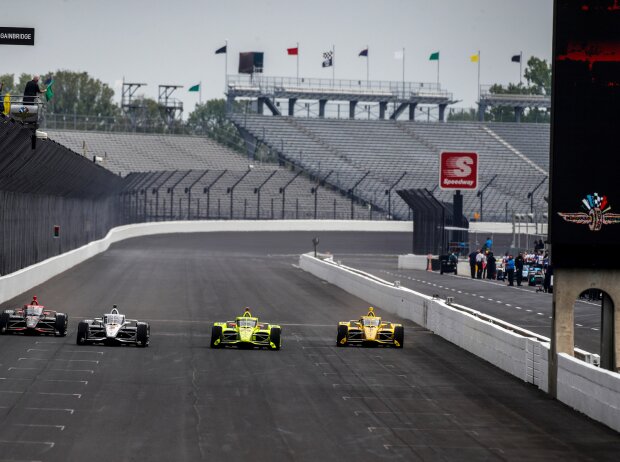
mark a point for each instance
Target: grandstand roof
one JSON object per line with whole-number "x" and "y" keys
{"x": 336, "y": 89}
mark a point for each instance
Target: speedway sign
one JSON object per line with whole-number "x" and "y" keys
{"x": 16, "y": 36}
{"x": 458, "y": 170}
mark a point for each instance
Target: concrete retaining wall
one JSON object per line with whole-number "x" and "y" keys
{"x": 20, "y": 281}
{"x": 582, "y": 386}
{"x": 589, "y": 389}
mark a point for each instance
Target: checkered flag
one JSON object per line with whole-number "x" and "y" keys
{"x": 328, "y": 57}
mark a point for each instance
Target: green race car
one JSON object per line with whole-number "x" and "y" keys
{"x": 246, "y": 331}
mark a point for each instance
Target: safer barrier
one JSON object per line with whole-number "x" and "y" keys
{"x": 587, "y": 388}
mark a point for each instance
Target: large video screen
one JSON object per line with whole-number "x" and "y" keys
{"x": 585, "y": 136}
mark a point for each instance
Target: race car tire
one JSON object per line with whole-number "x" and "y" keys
{"x": 82, "y": 333}
{"x": 216, "y": 333}
{"x": 60, "y": 326}
{"x": 275, "y": 337}
{"x": 142, "y": 334}
{"x": 399, "y": 336}
{"x": 342, "y": 335}
{"x": 4, "y": 322}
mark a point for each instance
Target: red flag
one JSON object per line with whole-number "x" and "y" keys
{"x": 293, "y": 51}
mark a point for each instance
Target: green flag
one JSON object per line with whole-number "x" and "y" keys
{"x": 195, "y": 88}
{"x": 434, "y": 56}
{"x": 49, "y": 93}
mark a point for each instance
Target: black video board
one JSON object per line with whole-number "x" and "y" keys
{"x": 585, "y": 135}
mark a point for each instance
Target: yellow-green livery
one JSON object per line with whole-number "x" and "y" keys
{"x": 246, "y": 331}
{"x": 370, "y": 330}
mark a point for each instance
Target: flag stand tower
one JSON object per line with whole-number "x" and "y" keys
{"x": 171, "y": 108}
{"x": 132, "y": 109}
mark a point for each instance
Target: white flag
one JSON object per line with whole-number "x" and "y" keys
{"x": 399, "y": 54}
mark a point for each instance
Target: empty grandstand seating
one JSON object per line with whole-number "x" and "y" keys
{"x": 175, "y": 163}
{"x": 385, "y": 148}
{"x": 530, "y": 139}
{"x": 363, "y": 157}
{"x": 130, "y": 152}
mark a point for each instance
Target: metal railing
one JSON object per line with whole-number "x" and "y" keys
{"x": 269, "y": 85}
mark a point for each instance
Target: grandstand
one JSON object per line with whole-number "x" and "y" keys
{"x": 124, "y": 153}
{"x": 161, "y": 169}
{"x": 530, "y": 139}
{"x": 512, "y": 157}
{"x": 362, "y": 162}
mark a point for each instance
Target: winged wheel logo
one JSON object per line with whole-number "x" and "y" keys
{"x": 596, "y": 213}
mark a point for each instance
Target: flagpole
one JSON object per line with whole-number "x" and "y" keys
{"x": 438, "y": 57}
{"x": 200, "y": 92}
{"x": 367, "y": 66}
{"x": 226, "y": 65}
{"x": 403, "y": 72}
{"x": 478, "y": 75}
{"x": 333, "y": 64}
{"x": 520, "y": 68}
{"x": 297, "y": 63}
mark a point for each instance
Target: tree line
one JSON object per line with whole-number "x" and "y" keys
{"x": 537, "y": 82}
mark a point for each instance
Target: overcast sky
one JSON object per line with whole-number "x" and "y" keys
{"x": 173, "y": 41}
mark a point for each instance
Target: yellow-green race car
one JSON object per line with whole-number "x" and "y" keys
{"x": 246, "y": 331}
{"x": 370, "y": 330}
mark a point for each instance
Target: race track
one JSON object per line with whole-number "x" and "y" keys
{"x": 179, "y": 400}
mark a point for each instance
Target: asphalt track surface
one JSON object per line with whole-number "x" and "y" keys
{"x": 179, "y": 400}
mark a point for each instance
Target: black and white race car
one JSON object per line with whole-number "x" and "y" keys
{"x": 113, "y": 329}
{"x": 34, "y": 319}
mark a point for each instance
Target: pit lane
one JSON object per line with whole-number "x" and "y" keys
{"x": 180, "y": 400}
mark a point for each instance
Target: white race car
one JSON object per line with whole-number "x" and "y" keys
{"x": 113, "y": 329}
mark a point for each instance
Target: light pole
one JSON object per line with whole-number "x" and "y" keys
{"x": 188, "y": 191}
{"x": 207, "y": 190}
{"x": 352, "y": 192}
{"x": 481, "y": 194}
{"x": 138, "y": 188}
{"x": 315, "y": 191}
{"x": 231, "y": 190}
{"x": 257, "y": 191}
{"x": 156, "y": 192}
{"x": 147, "y": 187}
{"x": 283, "y": 191}
{"x": 389, "y": 194}
{"x": 530, "y": 195}
{"x": 171, "y": 191}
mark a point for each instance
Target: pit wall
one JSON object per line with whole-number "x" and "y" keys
{"x": 25, "y": 279}
{"x": 586, "y": 388}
